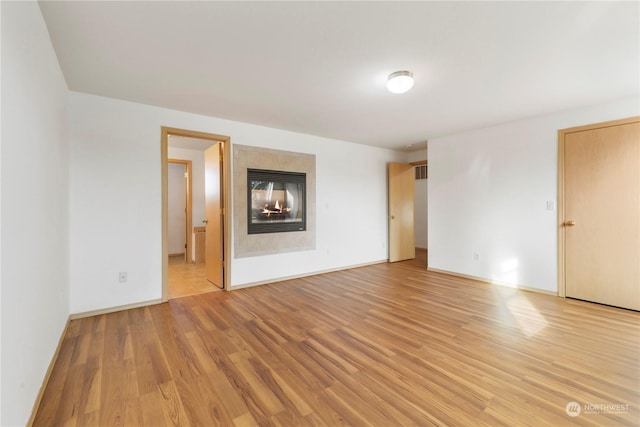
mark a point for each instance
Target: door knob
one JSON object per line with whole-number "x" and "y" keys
{"x": 569, "y": 223}
{"x": 205, "y": 221}
{"x": 392, "y": 217}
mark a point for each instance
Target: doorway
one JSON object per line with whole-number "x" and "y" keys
{"x": 401, "y": 193}
{"x": 420, "y": 213}
{"x": 189, "y": 274}
{"x": 179, "y": 209}
{"x": 599, "y": 213}
{"x": 418, "y": 185}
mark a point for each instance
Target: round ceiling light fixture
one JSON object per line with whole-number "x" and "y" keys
{"x": 400, "y": 81}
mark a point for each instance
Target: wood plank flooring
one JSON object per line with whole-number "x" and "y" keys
{"x": 384, "y": 345}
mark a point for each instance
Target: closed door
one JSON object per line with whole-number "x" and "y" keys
{"x": 213, "y": 211}
{"x": 401, "y": 221}
{"x": 601, "y": 224}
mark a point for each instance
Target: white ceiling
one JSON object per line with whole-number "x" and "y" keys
{"x": 177, "y": 141}
{"x": 321, "y": 67}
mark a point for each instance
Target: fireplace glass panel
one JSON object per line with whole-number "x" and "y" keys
{"x": 276, "y": 201}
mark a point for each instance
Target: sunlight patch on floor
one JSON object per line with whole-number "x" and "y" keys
{"x": 529, "y": 319}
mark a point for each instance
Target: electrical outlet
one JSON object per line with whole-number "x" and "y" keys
{"x": 476, "y": 256}
{"x": 122, "y": 277}
{"x": 549, "y": 206}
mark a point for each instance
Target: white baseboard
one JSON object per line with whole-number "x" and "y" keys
{"x": 493, "y": 282}
{"x": 299, "y": 276}
{"x": 47, "y": 375}
{"x": 114, "y": 309}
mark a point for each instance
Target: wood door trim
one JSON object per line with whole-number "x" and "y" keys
{"x": 562, "y": 289}
{"x": 164, "y": 149}
{"x": 401, "y": 244}
{"x": 189, "y": 248}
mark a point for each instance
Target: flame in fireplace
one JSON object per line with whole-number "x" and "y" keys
{"x": 277, "y": 209}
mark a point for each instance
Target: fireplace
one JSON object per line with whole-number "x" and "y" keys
{"x": 276, "y": 201}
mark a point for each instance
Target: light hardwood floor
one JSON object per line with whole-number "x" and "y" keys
{"x": 187, "y": 279}
{"x": 384, "y": 345}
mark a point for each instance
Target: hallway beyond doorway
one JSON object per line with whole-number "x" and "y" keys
{"x": 187, "y": 279}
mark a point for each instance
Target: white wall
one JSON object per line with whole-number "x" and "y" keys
{"x": 488, "y": 194}
{"x": 35, "y": 207}
{"x": 115, "y": 212}
{"x": 175, "y": 208}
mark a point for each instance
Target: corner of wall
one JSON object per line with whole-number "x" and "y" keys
{"x": 34, "y": 177}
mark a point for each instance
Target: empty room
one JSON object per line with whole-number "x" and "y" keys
{"x": 319, "y": 213}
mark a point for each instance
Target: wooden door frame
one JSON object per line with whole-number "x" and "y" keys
{"x": 226, "y": 176}
{"x": 392, "y": 209}
{"x": 562, "y": 285}
{"x": 189, "y": 208}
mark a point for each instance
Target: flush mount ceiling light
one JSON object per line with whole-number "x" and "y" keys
{"x": 400, "y": 81}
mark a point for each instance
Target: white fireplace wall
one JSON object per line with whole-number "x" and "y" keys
{"x": 351, "y": 210}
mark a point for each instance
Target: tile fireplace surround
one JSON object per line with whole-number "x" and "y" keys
{"x": 247, "y": 245}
